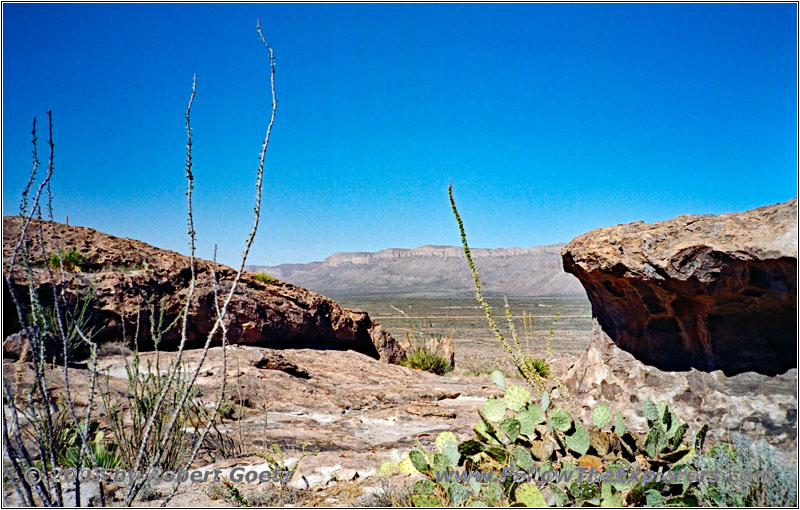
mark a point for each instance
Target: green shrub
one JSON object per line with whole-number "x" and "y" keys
{"x": 263, "y": 277}
{"x": 71, "y": 258}
{"x": 421, "y": 358}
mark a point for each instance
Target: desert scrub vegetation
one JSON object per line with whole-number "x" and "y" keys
{"x": 526, "y": 436}
{"x": 425, "y": 348}
{"x": 263, "y": 277}
{"x": 421, "y": 358}
{"x": 71, "y": 259}
{"x": 43, "y": 426}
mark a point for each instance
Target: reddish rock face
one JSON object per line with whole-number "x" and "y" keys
{"x": 698, "y": 291}
{"x": 124, "y": 271}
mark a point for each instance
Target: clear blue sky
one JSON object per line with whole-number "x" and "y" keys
{"x": 551, "y": 120}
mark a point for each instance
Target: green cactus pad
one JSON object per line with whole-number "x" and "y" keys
{"x": 619, "y": 425}
{"x": 662, "y": 410}
{"x": 510, "y": 428}
{"x": 443, "y": 438}
{"x": 499, "y": 379}
{"x": 477, "y": 504}
{"x": 419, "y": 500}
{"x": 579, "y": 441}
{"x": 418, "y": 460}
{"x": 601, "y": 416}
{"x": 528, "y": 494}
{"x": 475, "y": 486}
{"x": 700, "y": 438}
{"x": 494, "y": 409}
{"x": 655, "y": 441}
{"x": 441, "y": 460}
{"x": 650, "y": 410}
{"x": 388, "y": 468}
{"x": 424, "y": 487}
{"x": 523, "y": 458}
{"x": 529, "y": 417}
{"x": 407, "y": 467}
{"x": 517, "y": 397}
{"x": 560, "y": 419}
{"x": 458, "y": 494}
{"x": 470, "y": 447}
{"x": 559, "y": 495}
{"x": 545, "y": 400}
{"x": 492, "y": 492}
{"x": 451, "y": 452}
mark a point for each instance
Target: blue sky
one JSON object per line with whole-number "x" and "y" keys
{"x": 551, "y": 120}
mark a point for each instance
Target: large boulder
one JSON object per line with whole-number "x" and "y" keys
{"x": 761, "y": 406}
{"x": 128, "y": 274}
{"x": 698, "y": 291}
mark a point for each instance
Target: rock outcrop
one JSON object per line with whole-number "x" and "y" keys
{"x": 698, "y": 291}
{"x": 764, "y": 407}
{"x": 127, "y": 274}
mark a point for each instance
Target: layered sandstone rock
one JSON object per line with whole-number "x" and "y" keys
{"x": 764, "y": 407}
{"x": 698, "y": 291}
{"x": 127, "y": 274}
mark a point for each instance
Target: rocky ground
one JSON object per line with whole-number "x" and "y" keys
{"x": 351, "y": 409}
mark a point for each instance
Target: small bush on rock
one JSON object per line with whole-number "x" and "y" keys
{"x": 71, "y": 258}
{"x": 263, "y": 277}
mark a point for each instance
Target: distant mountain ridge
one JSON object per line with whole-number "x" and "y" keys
{"x": 430, "y": 269}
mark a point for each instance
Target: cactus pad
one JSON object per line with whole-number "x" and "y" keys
{"x": 458, "y": 494}
{"x": 406, "y": 466}
{"x": 424, "y": 487}
{"x": 418, "y": 460}
{"x": 530, "y": 417}
{"x": 528, "y": 494}
{"x": 517, "y": 397}
{"x": 443, "y": 438}
{"x": 619, "y": 425}
{"x": 560, "y": 419}
{"x": 494, "y": 409}
{"x": 579, "y": 441}
{"x": 650, "y": 410}
{"x": 601, "y": 416}
{"x": 499, "y": 379}
{"x": 388, "y": 468}
{"x": 420, "y": 500}
{"x": 510, "y": 428}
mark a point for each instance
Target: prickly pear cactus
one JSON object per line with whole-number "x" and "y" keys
{"x": 458, "y": 494}
{"x": 443, "y": 438}
{"x": 418, "y": 460}
{"x": 650, "y": 410}
{"x": 499, "y": 379}
{"x": 407, "y": 467}
{"x": 517, "y": 397}
{"x": 601, "y": 416}
{"x": 424, "y": 487}
{"x": 388, "y": 468}
{"x": 619, "y": 425}
{"x": 579, "y": 441}
{"x": 530, "y": 417}
{"x": 511, "y": 428}
{"x": 560, "y": 419}
{"x": 494, "y": 409}
{"x": 420, "y": 500}
{"x": 528, "y": 494}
